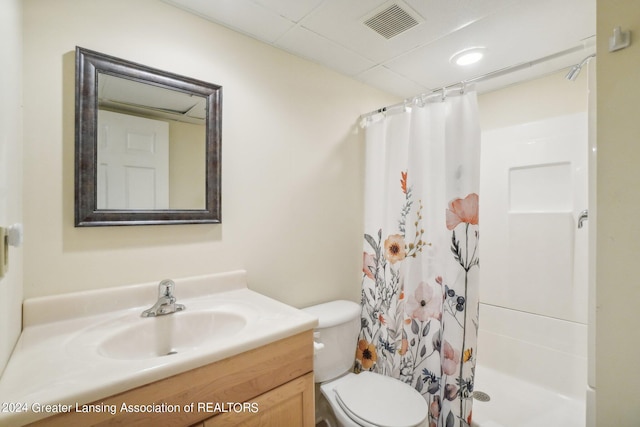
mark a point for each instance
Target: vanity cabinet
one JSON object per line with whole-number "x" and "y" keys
{"x": 269, "y": 386}
{"x": 283, "y": 406}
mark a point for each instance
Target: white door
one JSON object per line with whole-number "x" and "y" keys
{"x": 133, "y": 162}
{"x": 534, "y": 184}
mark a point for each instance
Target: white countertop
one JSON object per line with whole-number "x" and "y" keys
{"x": 56, "y": 361}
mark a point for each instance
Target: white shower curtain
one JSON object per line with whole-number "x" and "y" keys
{"x": 420, "y": 261}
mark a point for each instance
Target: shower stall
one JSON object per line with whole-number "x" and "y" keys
{"x": 532, "y": 344}
{"x": 535, "y": 348}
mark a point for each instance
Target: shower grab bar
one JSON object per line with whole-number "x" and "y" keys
{"x": 584, "y": 215}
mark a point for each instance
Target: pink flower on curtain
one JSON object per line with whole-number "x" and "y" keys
{"x": 381, "y": 319}
{"x": 451, "y": 359}
{"x": 424, "y": 304}
{"x": 463, "y": 210}
{"x": 368, "y": 265}
{"x": 394, "y": 248}
{"x": 450, "y": 392}
{"x": 435, "y": 407}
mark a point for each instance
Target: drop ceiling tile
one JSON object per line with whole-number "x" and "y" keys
{"x": 457, "y": 14}
{"x": 241, "y": 15}
{"x": 507, "y": 44}
{"x": 332, "y": 32}
{"x": 293, "y": 10}
{"x": 385, "y": 79}
{"x": 309, "y": 45}
{"x": 342, "y": 22}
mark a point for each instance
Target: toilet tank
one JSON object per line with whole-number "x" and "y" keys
{"x": 337, "y": 332}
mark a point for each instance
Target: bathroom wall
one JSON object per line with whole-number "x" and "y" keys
{"x": 534, "y": 331}
{"x": 10, "y": 169}
{"x": 546, "y": 97}
{"x": 618, "y": 208}
{"x": 291, "y": 170}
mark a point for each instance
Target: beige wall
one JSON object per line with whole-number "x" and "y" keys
{"x": 187, "y": 166}
{"x": 549, "y": 96}
{"x": 618, "y": 184}
{"x": 10, "y": 169}
{"x": 291, "y": 170}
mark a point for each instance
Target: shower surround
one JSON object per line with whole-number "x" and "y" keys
{"x": 534, "y": 286}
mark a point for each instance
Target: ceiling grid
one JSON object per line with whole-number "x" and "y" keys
{"x": 411, "y": 58}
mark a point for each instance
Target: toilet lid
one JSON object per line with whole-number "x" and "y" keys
{"x": 381, "y": 401}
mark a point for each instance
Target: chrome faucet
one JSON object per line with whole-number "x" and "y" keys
{"x": 584, "y": 215}
{"x": 166, "y": 303}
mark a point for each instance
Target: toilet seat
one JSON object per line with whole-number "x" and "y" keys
{"x": 374, "y": 400}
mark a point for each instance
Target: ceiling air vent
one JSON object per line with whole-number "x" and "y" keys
{"x": 392, "y": 20}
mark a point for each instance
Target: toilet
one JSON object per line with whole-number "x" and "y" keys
{"x": 356, "y": 400}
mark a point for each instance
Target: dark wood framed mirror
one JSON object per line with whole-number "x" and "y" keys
{"x": 148, "y": 145}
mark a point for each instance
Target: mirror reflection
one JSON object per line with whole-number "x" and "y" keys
{"x": 147, "y": 145}
{"x": 151, "y": 146}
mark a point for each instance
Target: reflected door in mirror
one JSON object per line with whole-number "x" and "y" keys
{"x": 133, "y": 162}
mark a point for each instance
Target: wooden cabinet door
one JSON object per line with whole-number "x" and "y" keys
{"x": 290, "y": 405}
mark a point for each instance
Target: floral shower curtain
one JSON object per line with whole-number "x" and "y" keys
{"x": 421, "y": 260}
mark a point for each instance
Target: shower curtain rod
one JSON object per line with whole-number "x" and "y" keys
{"x": 462, "y": 84}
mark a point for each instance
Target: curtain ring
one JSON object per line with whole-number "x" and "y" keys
{"x": 444, "y": 94}
{"x": 463, "y": 87}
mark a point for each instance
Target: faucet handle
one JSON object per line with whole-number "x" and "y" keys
{"x": 165, "y": 288}
{"x": 584, "y": 215}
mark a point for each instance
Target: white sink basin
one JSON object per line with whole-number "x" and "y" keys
{"x": 171, "y": 334}
{"x": 205, "y": 324}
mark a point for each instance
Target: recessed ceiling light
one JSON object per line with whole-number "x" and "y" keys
{"x": 468, "y": 56}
